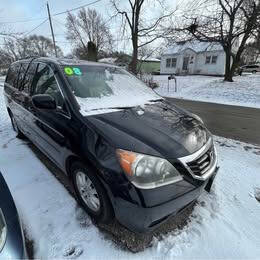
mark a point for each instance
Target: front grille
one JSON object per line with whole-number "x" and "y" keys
{"x": 202, "y": 164}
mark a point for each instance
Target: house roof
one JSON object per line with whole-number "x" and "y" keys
{"x": 196, "y": 46}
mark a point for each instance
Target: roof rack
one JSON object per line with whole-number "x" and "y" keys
{"x": 29, "y": 57}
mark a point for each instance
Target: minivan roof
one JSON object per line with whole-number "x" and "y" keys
{"x": 63, "y": 61}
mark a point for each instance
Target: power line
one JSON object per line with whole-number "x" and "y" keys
{"x": 24, "y": 21}
{"x": 35, "y": 27}
{"x": 59, "y": 22}
{"x": 76, "y": 8}
{"x": 55, "y": 14}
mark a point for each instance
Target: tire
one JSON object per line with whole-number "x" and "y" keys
{"x": 254, "y": 71}
{"x": 19, "y": 134}
{"x": 92, "y": 192}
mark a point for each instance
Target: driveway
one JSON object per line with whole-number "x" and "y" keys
{"x": 240, "y": 123}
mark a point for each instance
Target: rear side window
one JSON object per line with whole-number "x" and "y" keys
{"x": 28, "y": 78}
{"x": 22, "y": 72}
{"x": 12, "y": 75}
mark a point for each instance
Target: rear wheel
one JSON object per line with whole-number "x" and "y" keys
{"x": 91, "y": 193}
{"x": 19, "y": 134}
{"x": 254, "y": 71}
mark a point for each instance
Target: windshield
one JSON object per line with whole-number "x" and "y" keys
{"x": 99, "y": 87}
{"x": 3, "y": 230}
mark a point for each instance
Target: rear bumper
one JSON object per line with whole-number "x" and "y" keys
{"x": 145, "y": 219}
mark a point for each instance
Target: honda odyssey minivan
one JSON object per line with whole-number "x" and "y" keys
{"x": 129, "y": 153}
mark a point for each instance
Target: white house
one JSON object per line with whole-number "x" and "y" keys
{"x": 193, "y": 57}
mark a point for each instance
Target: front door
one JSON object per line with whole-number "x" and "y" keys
{"x": 50, "y": 125}
{"x": 185, "y": 64}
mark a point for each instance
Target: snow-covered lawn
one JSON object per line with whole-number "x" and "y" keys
{"x": 244, "y": 91}
{"x": 225, "y": 224}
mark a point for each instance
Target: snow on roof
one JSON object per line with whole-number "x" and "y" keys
{"x": 195, "y": 46}
{"x": 110, "y": 60}
{"x": 149, "y": 59}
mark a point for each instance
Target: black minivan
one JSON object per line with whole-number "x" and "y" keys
{"x": 128, "y": 152}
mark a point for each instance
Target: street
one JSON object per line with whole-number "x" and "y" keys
{"x": 240, "y": 123}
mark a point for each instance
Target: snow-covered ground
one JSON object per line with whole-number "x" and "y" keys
{"x": 244, "y": 91}
{"x": 225, "y": 224}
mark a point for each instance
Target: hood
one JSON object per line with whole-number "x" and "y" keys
{"x": 158, "y": 129}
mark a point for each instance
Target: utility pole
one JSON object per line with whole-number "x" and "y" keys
{"x": 53, "y": 39}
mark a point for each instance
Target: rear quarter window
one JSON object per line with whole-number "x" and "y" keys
{"x": 12, "y": 75}
{"x": 22, "y": 72}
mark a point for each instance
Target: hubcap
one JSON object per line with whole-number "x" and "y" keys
{"x": 87, "y": 191}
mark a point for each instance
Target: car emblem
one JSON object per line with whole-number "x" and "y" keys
{"x": 211, "y": 154}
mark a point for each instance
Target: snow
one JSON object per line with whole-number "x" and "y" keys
{"x": 127, "y": 92}
{"x": 194, "y": 45}
{"x": 244, "y": 91}
{"x": 225, "y": 224}
{"x": 109, "y": 60}
{"x": 152, "y": 59}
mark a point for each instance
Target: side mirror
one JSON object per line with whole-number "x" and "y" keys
{"x": 44, "y": 101}
{"x": 153, "y": 85}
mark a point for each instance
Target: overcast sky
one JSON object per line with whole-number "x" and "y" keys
{"x": 24, "y": 15}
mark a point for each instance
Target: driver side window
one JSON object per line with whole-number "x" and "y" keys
{"x": 46, "y": 83}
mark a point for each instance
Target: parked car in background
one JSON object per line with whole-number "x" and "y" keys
{"x": 11, "y": 234}
{"x": 128, "y": 152}
{"x": 254, "y": 68}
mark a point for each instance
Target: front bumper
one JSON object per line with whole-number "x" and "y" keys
{"x": 142, "y": 210}
{"x": 145, "y": 219}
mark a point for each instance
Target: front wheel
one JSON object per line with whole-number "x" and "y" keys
{"x": 91, "y": 193}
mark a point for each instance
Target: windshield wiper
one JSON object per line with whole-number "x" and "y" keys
{"x": 119, "y": 108}
{"x": 156, "y": 100}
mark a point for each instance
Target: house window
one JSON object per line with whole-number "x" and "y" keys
{"x": 171, "y": 62}
{"x": 174, "y": 62}
{"x": 168, "y": 63}
{"x": 214, "y": 59}
{"x": 208, "y": 58}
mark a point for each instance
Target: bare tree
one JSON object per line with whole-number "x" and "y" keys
{"x": 88, "y": 26}
{"x": 143, "y": 31}
{"x": 251, "y": 53}
{"x": 230, "y": 23}
{"x": 18, "y": 48}
{"x": 145, "y": 53}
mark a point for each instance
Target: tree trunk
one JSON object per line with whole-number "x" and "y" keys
{"x": 92, "y": 51}
{"x": 228, "y": 70}
{"x": 133, "y": 63}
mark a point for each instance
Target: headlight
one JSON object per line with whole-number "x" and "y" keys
{"x": 3, "y": 230}
{"x": 147, "y": 172}
{"x": 197, "y": 117}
